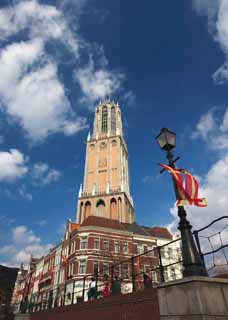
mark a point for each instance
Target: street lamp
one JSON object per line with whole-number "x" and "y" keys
{"x": 192, "y": 262}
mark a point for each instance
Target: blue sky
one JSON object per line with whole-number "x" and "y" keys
{"x": 165, "y": 63}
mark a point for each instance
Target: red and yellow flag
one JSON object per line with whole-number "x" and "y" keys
{"x": 187, "y": 194}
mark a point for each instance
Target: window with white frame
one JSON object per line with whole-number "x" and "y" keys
{"x": 95, "y": 267}
{"x": 96, "y": 244}
{"x": 84, "y": 243}
{"x": 72, "y": 249}
{"x": 140, "y": 248}
{"x": 106, "y": 245}
{"x": 125, "y": 270}
{"x": 70, "y": 269}
{"x": 117, "y": 270}
{"x": 154, "y": 276}
{"x": 117, "y": 246}
{"x": 106, "y": 268}
{"x": 173, "y": 274}
{"x": 151, "y": 251}
{"x": 166, "y": 275}
{"x": 125, "y": 247}
{"x": 82, "y": 266}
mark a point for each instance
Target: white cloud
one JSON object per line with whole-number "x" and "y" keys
{"x": 42, "y": 222}
{"x": 30, "y": 89}
{"x": 22, "y": 244}
{"x": 217, "y": 13}
{"x": 36, "y": 99}
{"x": 12, "y": 165}
{"x": 43, "y": 175}
{"x": 31, "y": 92}
{"x": 97, "y": 84}
{"x": 205, "y": 125}
{"x": 42, "y": 21}
{"x": 213, "y": 130}
{"x": 24, "y": 193}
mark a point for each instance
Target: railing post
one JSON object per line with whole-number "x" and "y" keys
{"x": 64, "y": 295}
{"x": 83, "y": 289}
{"x": 96, "y": 280}
{"x": 72, "y": 299}
{"x": 112, "y": 274}
{"x": 133, "y": 273}
{"x": 195, "y": 233}
{"x": 161, "y": 268}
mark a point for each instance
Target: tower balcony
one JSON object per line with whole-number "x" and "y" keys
{"x": 101, "y": 192}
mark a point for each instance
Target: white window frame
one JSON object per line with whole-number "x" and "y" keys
{"x": 125, "y": 245}
{"x": 107, "y": 242}
{"x": 80, "y": 265}
{"x": 96, "y": 240}
{"x": 84, "y": 241}
{"x": 106, "y": 268}
{"x": 117, "y": 243}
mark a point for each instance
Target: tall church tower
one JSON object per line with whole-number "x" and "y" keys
{"x": 105, "y": 191}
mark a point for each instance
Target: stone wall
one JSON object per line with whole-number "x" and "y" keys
{"x": 194, "y": 298}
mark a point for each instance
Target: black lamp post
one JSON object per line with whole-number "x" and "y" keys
{"x": 192, "y": 262}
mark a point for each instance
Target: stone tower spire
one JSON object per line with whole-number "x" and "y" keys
{"x": 105, "y": 191}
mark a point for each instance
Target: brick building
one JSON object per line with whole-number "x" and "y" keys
{"x": 104, "y": 232}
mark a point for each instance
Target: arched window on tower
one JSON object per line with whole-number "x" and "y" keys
{"x": 87, "y": 209}
{"x": 113, "y": 120}
{"x": 104, "y": 120}
{"x": 113, "y": 207}
{"x": 100, "y": 208}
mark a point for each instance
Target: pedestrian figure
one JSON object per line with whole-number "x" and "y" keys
{"x": 116, "y": 288}
{"x": 106, "y": 291}
{"x": 147, "y": 281}
{"x": 92, "y": 289}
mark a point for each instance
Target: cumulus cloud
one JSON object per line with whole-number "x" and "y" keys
{"x": 213, "y": 130}
{"x": 43, "y": 175}
{"x": 217, "y": 13}
{"x": 31, "y": 92}
{"x": 97, "y": 84}
{"x": 12, "y": 165}
{"x": 22, "y": 244}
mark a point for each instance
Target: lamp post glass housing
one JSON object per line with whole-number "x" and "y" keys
{"x": 166, "y": 139}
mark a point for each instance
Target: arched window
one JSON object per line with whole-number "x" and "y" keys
{"x": 87, "y": 209}
{"x": 113, "y": 207}
{"x": 114, "y": 143}
{"x": 100, "y": 208}
{"x": 113, "y": 120}
{"x": 102, "y": 145}
{"x": 92, "y": 147}
{"x": 104, "y": 120}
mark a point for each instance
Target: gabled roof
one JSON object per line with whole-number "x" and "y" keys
{"x": 103, "y": 222}
{"x": 160, "y": 232}
{"x": 137, "y": 229}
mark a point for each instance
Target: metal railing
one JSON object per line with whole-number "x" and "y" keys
{"x": 212, "y": 243}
